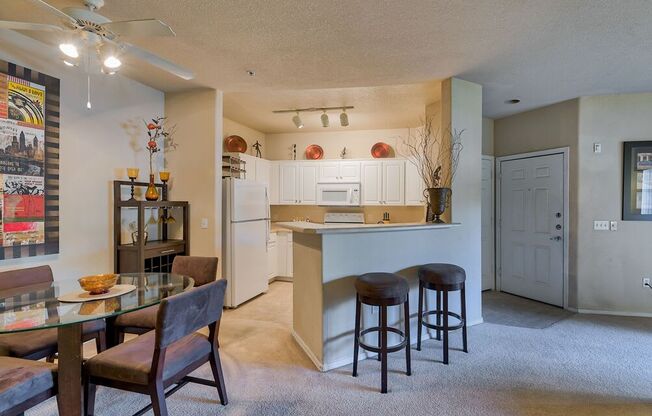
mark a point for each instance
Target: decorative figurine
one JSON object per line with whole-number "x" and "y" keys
{"x": 343, "y": 153}
{"x": 294, "y": 152}
{"x": 257, "y": 147}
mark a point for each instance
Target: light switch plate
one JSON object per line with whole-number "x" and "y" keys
{"x": 597, "y": 148}
{"x": 613, "y": 225}
{"x": 601, "y": 225}
{"x": 204, "y": 223}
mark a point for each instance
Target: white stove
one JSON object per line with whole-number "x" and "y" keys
{"x": 344, "y": 218}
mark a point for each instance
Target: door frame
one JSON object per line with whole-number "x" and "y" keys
{"x": 492, "y": 159}
{"x": 565, "y": 152}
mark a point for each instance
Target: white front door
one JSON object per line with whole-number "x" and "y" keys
{"x": 488, "y": 253}
{"x": 531, "y": 228}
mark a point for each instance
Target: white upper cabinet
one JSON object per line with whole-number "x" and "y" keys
{"x": 274, "y": 183}
{"x": 307, "y": 184}
{"x": 339, "y": 171}
{"x": 262, "y": 167}
{"x": 383, "y": 182}
{"x": 393, "y": 182}
{"x": 372, "y": 183}
{"x": 288, "y": 183}
{"x": 414, "y": 185}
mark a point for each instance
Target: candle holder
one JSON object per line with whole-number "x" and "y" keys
{"x": 164, "y": 176}
{"x": 132, "y": 173}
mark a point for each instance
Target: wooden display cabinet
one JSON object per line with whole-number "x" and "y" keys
{"x": 155, "y": 256}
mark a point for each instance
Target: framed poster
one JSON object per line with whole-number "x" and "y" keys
{"x": 637, "y": 181}
{"x": 29, "y": 162}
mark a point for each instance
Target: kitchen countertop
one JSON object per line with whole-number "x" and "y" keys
{"x": 316, "y": 228}
{"x": 276, "y": 228}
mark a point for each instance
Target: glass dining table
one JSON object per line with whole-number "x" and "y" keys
{"x": 37, "y": 307}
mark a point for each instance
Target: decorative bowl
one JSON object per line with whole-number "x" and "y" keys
{"x": 380, "y": 150}
{"x": 235, "y": 144}
{"x": 99, "y": 283}
{"x": 314, "y": 152}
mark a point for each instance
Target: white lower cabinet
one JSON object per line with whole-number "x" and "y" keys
{"x": 285, "y": 258}
{"x": 272, "y": 256}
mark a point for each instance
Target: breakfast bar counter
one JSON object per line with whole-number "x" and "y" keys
{"x": 327, "y": 259}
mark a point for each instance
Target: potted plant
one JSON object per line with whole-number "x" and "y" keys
{"x": 435, "y": 155}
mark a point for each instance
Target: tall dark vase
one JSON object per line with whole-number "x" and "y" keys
{"x": 438, "y": 201}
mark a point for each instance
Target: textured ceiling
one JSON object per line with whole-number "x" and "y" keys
{"x": 539, "y": 51}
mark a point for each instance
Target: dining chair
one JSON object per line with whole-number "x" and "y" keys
{"x": 24, "y": 384}
{"x": 202, "y": 269}
{"x": 152, "y": 362}
{"x": 38, "y": 344}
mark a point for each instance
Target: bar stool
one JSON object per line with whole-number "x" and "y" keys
{"x": 442, "y": 278}
{"x": 382, "y": 290}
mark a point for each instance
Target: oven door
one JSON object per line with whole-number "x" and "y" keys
{"x": 338, "y": 194}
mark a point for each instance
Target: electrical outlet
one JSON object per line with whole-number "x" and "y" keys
{"x": 601, "y": 225}
{"x": 646, "y": 282}
{"x": 597, "y": 148}
{"x": 613, "y": 225}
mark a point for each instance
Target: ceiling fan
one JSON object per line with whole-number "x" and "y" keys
{"x": 85, "y": 28}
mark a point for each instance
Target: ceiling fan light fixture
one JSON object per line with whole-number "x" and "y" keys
{"x": 344, "y": 118}
{"x": 112, "y": 62}
{"x": 297, "y": 121}
{"x": 69, "y": 49}
{"x": 324, "y": 120}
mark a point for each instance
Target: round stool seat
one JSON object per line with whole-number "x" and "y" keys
{"x": 442, "y": 274}
{"x": 382, "y": 287}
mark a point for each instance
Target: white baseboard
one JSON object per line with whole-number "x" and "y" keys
{"x": 363, "y": 355}
{"x": 614, "y": 313}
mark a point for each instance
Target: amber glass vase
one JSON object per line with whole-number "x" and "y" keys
{"x": 152, "y": 193}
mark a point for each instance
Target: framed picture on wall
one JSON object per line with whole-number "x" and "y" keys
{"x": 637, "y": 181}
{"x": 29, "y": 162}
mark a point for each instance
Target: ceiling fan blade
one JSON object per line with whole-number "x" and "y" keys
{"x": 159, "y": 62}
{"x": 69, "y": 19}
{"x": 6, "y": 24}
{"x": 145, "y": 27}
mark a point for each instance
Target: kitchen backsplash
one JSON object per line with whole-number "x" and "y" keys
{"x": 372, "y": 214}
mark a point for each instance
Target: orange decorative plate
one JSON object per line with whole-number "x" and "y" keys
{"x": 235, "y": 144}
{"x": 380, "y": 150}
{"x": 314, "y": 152}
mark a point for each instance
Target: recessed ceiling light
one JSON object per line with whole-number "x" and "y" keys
{"x": 513, "y": 101}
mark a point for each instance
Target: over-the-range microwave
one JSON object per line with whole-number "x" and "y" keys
{"x": 338, "y": 194}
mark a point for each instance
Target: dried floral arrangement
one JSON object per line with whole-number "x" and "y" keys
{"x": 157, "y": 129}
{"x": 432, "y": 151}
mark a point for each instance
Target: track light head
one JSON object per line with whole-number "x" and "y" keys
{"x": 344, "y": 119}
{"x": 324, "y": 120}
{"x": 297, "y": 121}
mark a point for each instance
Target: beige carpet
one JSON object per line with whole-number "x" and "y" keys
{"x": 583, "y": 365}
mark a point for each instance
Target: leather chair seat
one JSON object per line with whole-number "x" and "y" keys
{"x": 22, "y": 380}
{"x": 132, "y": 361}
{"x": 381, "y": 286}
{"x": 442, "y": 274}
{"x": 23, "y": 344}
{"x": 143, "y": 318}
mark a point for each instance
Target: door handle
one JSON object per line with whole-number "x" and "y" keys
{"x": 556, "y": 238}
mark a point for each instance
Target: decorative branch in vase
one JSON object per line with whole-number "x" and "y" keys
{"x": 436, "y": 156}
{"x": 156, "y": 130}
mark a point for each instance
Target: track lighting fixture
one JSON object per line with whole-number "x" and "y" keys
{"x": 297, "y": 121}
{"x": 324, "y": 119}
{"x": 344, "y": 118}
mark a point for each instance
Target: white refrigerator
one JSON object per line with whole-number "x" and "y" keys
{"x": 245, "y": 207}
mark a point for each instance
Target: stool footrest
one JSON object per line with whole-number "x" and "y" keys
{"x": 392, "y": 348}
{"x": 441, "y": 327}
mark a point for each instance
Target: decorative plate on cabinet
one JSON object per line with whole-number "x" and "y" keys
{"x": 314, "y": 152}
{"x": 380, "y": 150}
{"x": 235, "y": 144}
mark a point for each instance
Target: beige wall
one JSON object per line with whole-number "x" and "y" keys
{"x": 193, "y": 167}
{"x": 372, "y": 214}
{"x": 96, "y": 147}
{"x": 549, "y": 127}
{"x": 487, "y": 136}
{"x": 250, "y": 135}
{"x": 611, "y": 264}
{"x": 358, "y": 142}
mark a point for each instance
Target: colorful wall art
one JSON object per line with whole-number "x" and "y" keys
{"x": 29, "y": 162}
